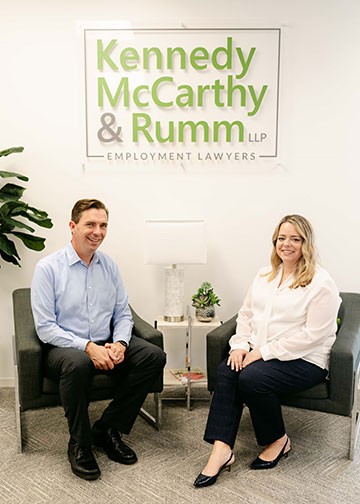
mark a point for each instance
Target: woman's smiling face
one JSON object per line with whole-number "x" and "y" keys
{"x": 289, "y": 245}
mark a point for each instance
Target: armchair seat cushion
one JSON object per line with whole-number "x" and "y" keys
{"x": 320, "y": 391}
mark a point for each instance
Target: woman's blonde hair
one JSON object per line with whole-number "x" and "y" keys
{"x": 306, "y": 265}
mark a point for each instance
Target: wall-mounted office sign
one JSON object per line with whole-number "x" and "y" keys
{"x": 181, "y": 95}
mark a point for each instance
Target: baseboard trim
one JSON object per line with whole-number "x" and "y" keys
{"x": 7, "y": 382}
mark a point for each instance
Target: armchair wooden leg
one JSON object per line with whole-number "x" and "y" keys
{"x": 155, "y": 421}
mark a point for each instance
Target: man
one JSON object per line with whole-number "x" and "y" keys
{"x": 81, "y": 312}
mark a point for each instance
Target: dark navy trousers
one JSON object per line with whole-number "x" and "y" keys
{"x": 74, "y": 370}
{"x": 259, "y": 387}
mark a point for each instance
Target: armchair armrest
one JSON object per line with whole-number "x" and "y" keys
{"x": 27, "y": 348}
{"x": 144, "y": 330}
{"x": 345, "y": 354}
{"x": 217, "y": 347}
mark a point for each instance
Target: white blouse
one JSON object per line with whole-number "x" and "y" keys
{"x": 286, "y": 323}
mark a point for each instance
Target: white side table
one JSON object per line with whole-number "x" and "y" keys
{"x": 185, "y": 352}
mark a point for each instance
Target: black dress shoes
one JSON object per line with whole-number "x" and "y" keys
{"x": 82, "y": 461}
{"x": 203, "y": 480}
{"x": 114, "y": 447}
{"x": 259, "y": 463}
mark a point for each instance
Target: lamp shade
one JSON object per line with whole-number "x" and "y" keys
{"x": 175, "y": 242}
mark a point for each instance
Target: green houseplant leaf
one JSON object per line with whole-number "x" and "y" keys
{"x": 11, "y": 192}
{"x": 9, "y": 258}
{"x": 30, "y": 241}
{"x": 13, "y": 211}
{"x": 205, "y": 296}
{"x": 6, "y": 152}
{"x": 8, "y": 247}
{"x": 7, "y": 174}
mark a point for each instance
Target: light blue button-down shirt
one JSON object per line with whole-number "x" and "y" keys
{"x": 74, "y": 303}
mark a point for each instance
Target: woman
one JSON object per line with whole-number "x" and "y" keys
{"x": 284, "y": 334}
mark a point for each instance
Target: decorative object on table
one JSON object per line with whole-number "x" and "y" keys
{"x": 204, "y": 302}
{"x": 182, "y": 375}
{"x": 11, "y": 209}
{"x": 175, "y": 242}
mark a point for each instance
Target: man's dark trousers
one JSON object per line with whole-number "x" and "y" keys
{"x": 74, "y": 370}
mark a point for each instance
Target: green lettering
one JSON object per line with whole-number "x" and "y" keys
{"x": 128, "y": 55}
{"x": 105, "y": 55}
{"x": 256, "y": 100}
{"x": 227, "y": 50}
{"x": 136, "y": 96}
{"x": 232, "y": 88}
{"x": 201, "y": 92}
{"x": 161, "y": 139}
{"x": 199, "y": 54}
{"x": 137, "y": 128}
{"x": 171, "y": 51}
{"x": 183, "y": 125}
{"x": 123, "y": 88}
{"x": 185, "y": 99}
{"x": 245, "y": 63}
{"x": 228, "y": 127}
{"x": 155, "y": 92}
{"x": 218, "y": 87}
{"x": 147, "y": 53}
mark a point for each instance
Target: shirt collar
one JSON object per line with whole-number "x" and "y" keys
{"x": 73, "y": 258}
{"x": 286, "y": 282}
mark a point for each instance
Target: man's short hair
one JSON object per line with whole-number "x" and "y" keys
{"x": 85, "y": 204}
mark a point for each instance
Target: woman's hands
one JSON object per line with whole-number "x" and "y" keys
{"x": 238, "y": 359}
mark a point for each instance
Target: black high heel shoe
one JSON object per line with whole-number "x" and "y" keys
{"x": 203, "y": 481}
{"x": 259, "y": 463}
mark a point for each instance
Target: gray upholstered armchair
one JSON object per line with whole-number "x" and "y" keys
{"x": 339, "y": 394}
{"x": 33, "y": 390}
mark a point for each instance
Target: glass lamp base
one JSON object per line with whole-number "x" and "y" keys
{"x": 174, "y": 295}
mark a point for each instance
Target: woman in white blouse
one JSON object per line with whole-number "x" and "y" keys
{"x": 285, "y": 330}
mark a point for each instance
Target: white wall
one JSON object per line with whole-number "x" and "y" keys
{"x": 41, "y": 109}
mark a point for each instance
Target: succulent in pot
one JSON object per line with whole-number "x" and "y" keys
{"x": 204, "y": 301}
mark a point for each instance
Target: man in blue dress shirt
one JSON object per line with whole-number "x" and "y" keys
{"x": 81, "y": 312}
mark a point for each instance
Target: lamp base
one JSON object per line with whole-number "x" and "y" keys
{"x": 174, "y": 294}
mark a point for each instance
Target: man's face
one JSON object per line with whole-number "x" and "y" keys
{"x": 89, "y": 232}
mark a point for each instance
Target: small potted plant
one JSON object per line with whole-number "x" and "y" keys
{"x": 204, "y": 302}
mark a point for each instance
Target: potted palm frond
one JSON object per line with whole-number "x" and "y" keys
{"x": 204, "y": 302}
{"x": 13, "y": 212}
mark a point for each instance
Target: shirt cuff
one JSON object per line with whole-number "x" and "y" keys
{"x": 240, "y": 346}
{"x": 80, "y": 344}
{"x": 119, "y": 339}
{"x": 266, "y": 353}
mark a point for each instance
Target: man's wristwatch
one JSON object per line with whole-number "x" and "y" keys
{"x": 123, "y": 343}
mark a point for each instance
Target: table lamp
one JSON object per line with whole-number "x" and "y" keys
{"x": 174, "y": 243}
